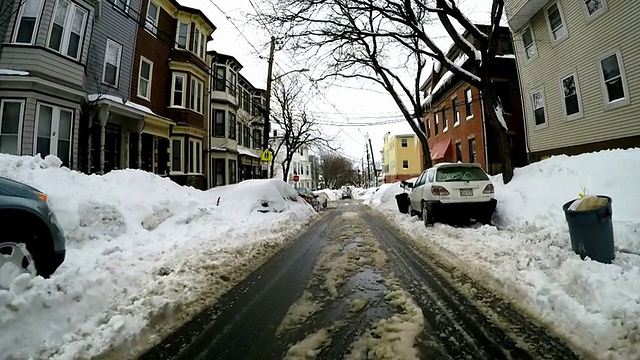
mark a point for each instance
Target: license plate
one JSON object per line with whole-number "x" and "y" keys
{"x": 466, "y": 192}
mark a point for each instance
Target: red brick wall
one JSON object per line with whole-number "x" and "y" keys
{"x": 472, "y": 127}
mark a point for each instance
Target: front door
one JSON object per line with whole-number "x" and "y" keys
{"x": 112, "y": 147}
{"x": 54, "y": 132}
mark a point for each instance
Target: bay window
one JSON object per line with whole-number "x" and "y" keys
{"x": 27, "y": 21}
{"x": 67, "y": 29}
{"x": 11, "y": 117}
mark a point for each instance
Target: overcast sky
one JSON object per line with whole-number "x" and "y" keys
{"x": 354, "y": 101}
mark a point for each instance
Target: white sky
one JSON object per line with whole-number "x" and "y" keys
{"x": 354, "y": 101}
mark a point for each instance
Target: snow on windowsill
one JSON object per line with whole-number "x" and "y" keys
{"x": 13, "y": 72}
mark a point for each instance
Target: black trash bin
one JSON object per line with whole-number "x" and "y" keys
{"x": 591, "y": 231}
{"x": 403, "y": 202}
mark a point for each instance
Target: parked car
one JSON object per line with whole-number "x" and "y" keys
{"x": 346, "y": 193}
{"x": 309, "y": 197}
{"x": 322, "y": 198}
{"x": 450, "y": 191}
{"x": 31, "y": 235}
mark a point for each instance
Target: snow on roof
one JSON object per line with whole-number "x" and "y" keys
{"x": 506, "y": 56}
{"x": 119, "y": 100}
{"x": 247, "y": 152}
{"x": 443, "y": 80}
{"x": 13, "y": 72}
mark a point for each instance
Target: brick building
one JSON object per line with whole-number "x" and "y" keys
{"x": 454, "y": 116}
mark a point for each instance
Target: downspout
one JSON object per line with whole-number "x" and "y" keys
{"x": 484, "y": 135}
{"x": 524, "y": 113}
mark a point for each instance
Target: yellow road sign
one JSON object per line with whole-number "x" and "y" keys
{"x": 267, "y": 155}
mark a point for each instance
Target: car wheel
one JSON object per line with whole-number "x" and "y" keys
{"x": 32, "y": 241}
{"x": 15, "y": 260}
{"x": 427, "y": 217}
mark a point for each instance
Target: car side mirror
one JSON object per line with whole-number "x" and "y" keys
{"x": 407, "y": 184}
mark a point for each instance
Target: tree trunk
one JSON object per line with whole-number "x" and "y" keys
{"x": 500, "y": 134}
{"x": 426, "y": 152}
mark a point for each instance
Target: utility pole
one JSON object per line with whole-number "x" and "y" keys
{"x": 361, "y": 171}
{"x": 267, "y": 112}
{"x": 373, "y": 164}
{"x": 368, "y": 168}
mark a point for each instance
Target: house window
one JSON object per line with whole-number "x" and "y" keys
{"x": 445, "y": 122}
{"x": 232, "y": 171}
{"x": 456, "y": 112}
{"x": 232, "y": 83}
{"x": 570, "y": 91}
{"x": 239, "y": 138}
{"x": 144, "y": 78}
{"x": 12, "y": 115}
{"x": 246, "y": 101}
{"x": 178, "y": 93}
{"x": 246, "y": 136}
{"x": 218, "y": 172}
{"x": 195, "y": 158}
{"x": 529, "y": 43}
{"x": 468, "y": 103}
{"x": 473, "y": 156}
{"x": 537, "y": 100}
{"x": 221, "y": 72}
{"x": 219, "y": 120}
{"x": 232, "y": 126}
{"x": 176, "y": 156}
{"x": 595, "y": 7}
{"x": 182, "y": 34}
{"x": 435, "y": 124}
{"x": 203, "y": 44}
{"x": 257, "y": 139}
{"x": 613, "y": 77}
{"x": 556, "y": 24}
{"x": 53, "y": 132}
{"x": 428, "y": 127}
{"x": 404, "y": 142}
{"x": 405, "y": 164}
{"x": 195, "y": 95}
{"x": 257, "y": 101}
{"x": 122, "y": 5}
{"x": 67, "y": 29}
{"x": 26, "y": 21}
{"x": 151, "y": 22}
{"x": 199, "y": 42}
{"x": 458, "y": 151}
{"x": 111, "y": 66}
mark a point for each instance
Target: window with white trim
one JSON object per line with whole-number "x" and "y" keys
{"x": 53, "y": 131}
{"x": 405, "y": 164}
{"x": 529, "y": 42}
{"x": 538, "y": 104}
{"x": 177, "y": 158}
{"x": 199, "y": 42}
{"x": 111, "y": 66}
{"x": 220, "y": 78}
{"x": 404, "y": 142}
{"x": 445, "y": 122}
{"x": 468, "y": 103}
{"x": 613, "y": 77}
{"x": 571, "y": 96}
{"x": 231, "y": 86}
{"x": 456, "y": 111}
{"x": 67, "y": 29}
{"x": 556, "y": 23}
{"x": 11, "y": 118}
{"x": 595, "y": 8}
{"x": 232, "y": 126}
{"x": 151, "y": 20}
{"x": 473, "y": 157}
{"x": 144, "y": 78}
{"x": 182, "y": 34}
{"x": 195, "y": 95}
{"x": 178, "y": 92}
{"x": 27, "y": 22}
{"x": 436, "y": 122}
{"x": 219, "y": 123}
{"x": 122, "y": 5}
{"x": 195, "y": 158}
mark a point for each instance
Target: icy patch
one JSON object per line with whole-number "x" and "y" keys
{"x": 299, "y": 312}
{"x": 395, "y": 337}
{"x": 310, "y": 347}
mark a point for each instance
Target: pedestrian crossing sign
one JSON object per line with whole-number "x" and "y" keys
{"x": 267, "y": 155}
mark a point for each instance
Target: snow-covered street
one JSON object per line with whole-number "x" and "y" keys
{"x": 528, "y": 258}
{"x": 143, "y": 254}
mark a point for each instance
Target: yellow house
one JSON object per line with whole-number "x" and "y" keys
{"x": 401, "y": 157}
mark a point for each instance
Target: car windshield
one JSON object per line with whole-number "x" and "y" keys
{"x": 304, "y": 191}
{"x": 460, "y": 173}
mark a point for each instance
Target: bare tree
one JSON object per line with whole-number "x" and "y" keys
{"x": 363, "y": 39}
{"x": 299, "y": 130}
{"x": 336, "y": 170}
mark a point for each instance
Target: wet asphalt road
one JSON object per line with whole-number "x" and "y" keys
{"x": 339, "y": 291}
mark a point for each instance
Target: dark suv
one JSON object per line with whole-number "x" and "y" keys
{"x": 27, "y": 222}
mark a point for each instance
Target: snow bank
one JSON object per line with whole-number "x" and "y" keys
{"x": 535, "y": 196}
{"x": 333, "y": 195}
{"x": 594, "y": 306}
{"x": 385, "y": 196}
{"x": 140, "y": 248}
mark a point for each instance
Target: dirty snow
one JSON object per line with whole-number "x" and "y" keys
{"x": 594, "y": 306}
{"x": 141, "y": 250}
{"x": 310, "y": 347}
{"x": 299, "y": 312}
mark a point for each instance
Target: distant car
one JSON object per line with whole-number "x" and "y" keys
{"x": 450, "y": 191}
{"x": 309, "y": 197}
{"x": 30, "y": 233}
{"x": 346, "y": 193}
